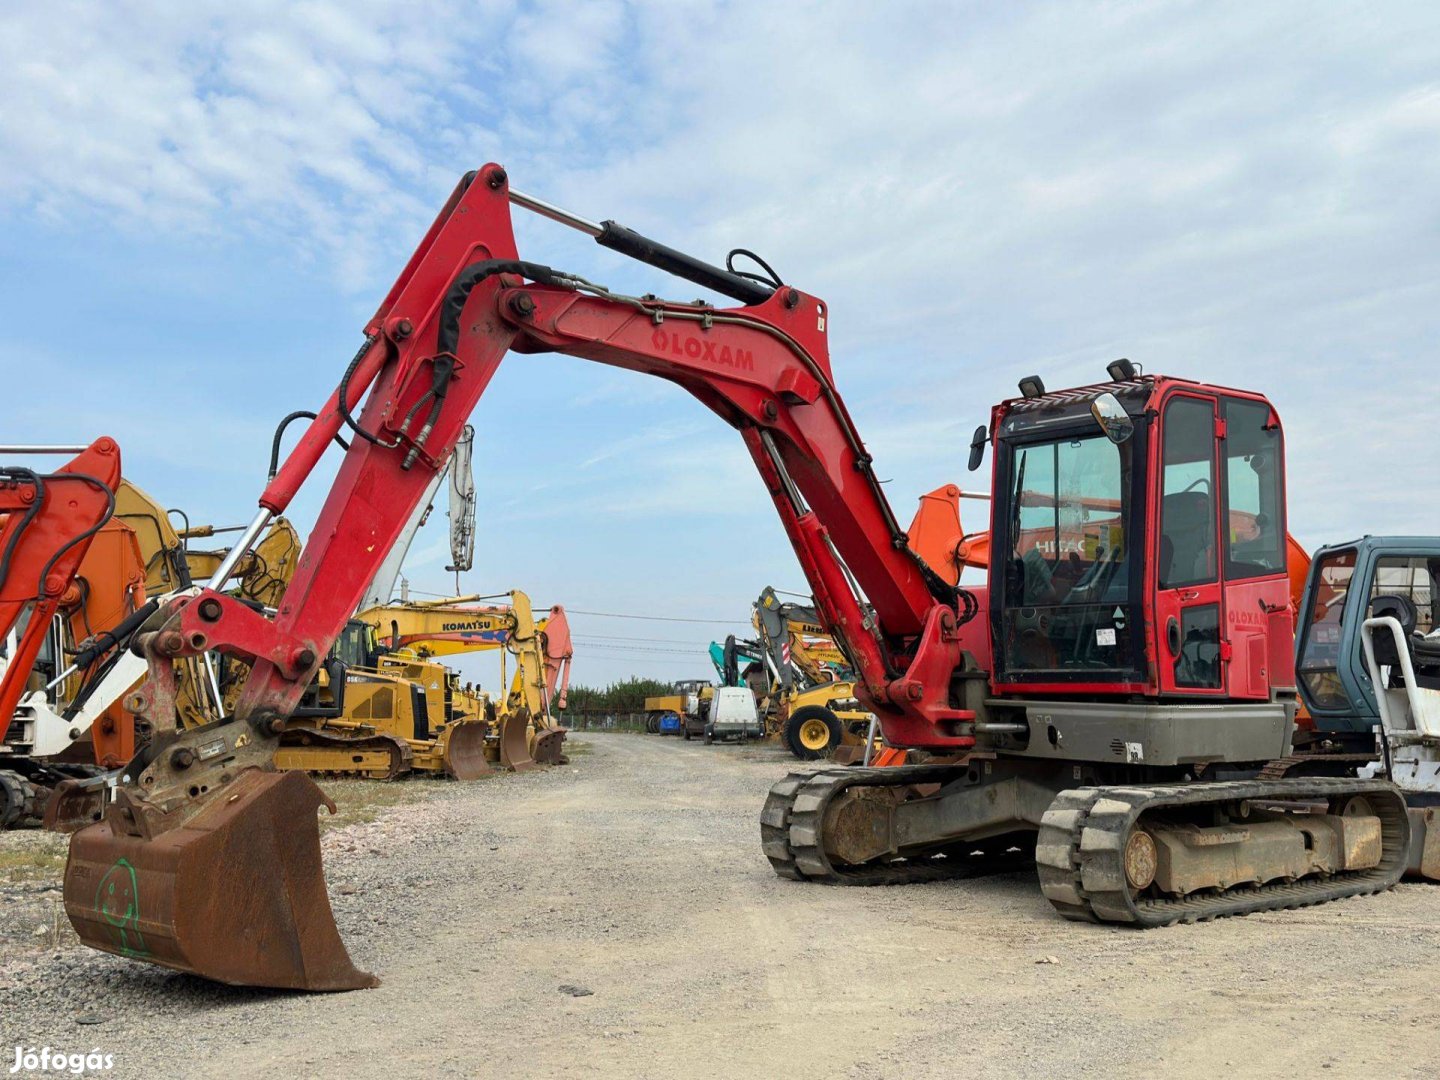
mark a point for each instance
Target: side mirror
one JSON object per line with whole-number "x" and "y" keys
{"x": 977, "y": 446}
{"x": 1112, "y": 418}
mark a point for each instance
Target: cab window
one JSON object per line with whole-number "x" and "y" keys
{"x": 1411, "y": 576}
{"x": 1188, "y": 501}
{"x": 1066, "y": 555}
{"x": 1254, "y": 496}
{"x": 1320, "y": 637}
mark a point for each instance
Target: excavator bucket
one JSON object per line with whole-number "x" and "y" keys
{"x": 549, "y": 748}
{"x": 465, "y": 750}
{"x": 235, "y": 894}
{"x": 514, "y": 743}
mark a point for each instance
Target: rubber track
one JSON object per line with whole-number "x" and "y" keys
{"x": 790, "y": 831}
{"x": 1080, "y": 851}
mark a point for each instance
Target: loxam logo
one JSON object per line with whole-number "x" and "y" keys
{"x": 1247, "y": 618}
{"x": 697, "y": 348}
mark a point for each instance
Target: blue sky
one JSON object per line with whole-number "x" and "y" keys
{"x": 201, "y": 204}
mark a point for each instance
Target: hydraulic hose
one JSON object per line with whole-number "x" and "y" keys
{"x": 109, "y": 510}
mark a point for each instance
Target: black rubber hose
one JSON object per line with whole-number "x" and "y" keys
{"x": 773, "y": 281}
{"x": 109, "y": 510}
{"x": 106, "y": 640}
{"x": 344, "y": 408}
{"x": 472, "y": 275}
{"x": 179, "y": 560}
{"x": 29, "y": 516}
{"x": 93, "y": 682}
{"x": 280, "y": 433}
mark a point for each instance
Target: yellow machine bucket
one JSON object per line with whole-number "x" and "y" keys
{"x": 465, "y": 750}
{"x": 515, "y": 742}
{"x": 236, "y": 893}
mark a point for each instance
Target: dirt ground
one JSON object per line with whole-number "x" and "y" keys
{"x": 615, "y": 918}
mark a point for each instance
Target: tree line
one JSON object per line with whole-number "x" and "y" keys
{"x": 625, "y": 696}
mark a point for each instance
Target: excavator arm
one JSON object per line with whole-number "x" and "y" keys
{"x": 461, "y": 304}
{"x": 431, "y": 350}
{"x": 448, "y": 627}
{"x": 453, "y": 626}
{"x": 765, "y": 372}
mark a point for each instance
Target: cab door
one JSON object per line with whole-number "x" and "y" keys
{"x": 1189, "y": 599}
{"x": 1259, "y": 624}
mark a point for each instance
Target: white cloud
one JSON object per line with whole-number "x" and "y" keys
{"x": 308, "y": 120}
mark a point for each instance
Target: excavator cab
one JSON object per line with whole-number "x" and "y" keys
{"x": 1345, "y": 583}
{"x": 1139, "y": 544}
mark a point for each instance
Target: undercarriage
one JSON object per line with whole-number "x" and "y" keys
{"x": 1109, "y": 844}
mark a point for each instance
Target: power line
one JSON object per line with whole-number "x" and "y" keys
{"x": 637, "y": 651}
{"x": 657, "y": 640}
{"x": 646, "y": 660}
{"x": 654, "y": 618}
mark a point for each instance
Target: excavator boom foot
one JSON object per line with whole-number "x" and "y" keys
{"x": 235, "y": 893}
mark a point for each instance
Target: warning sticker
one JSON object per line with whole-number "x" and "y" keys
{"x": 1105, "y": 635}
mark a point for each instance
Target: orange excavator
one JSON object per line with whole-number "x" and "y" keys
{"x": 1106, "y": 703}
{"x": 70, "y": 724}
{"x": 50, "y": 524}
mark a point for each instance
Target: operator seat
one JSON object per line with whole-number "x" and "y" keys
{"x": 1424, "y": 651}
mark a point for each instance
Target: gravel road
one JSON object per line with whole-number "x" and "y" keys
{"x": 615, "y": 917}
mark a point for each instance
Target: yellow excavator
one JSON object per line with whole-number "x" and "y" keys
{"x": 367, "y": 716}
{"x": 262, "y": 575}
{"x": 172, "y": 564}
{"x": 206, "y": 685}
{"x": 525, "y": 730}
{"x": 811, "y": 705}
{"x": 819, "y": 715}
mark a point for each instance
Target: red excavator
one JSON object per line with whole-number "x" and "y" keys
{"x": 1106, "y": 704}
